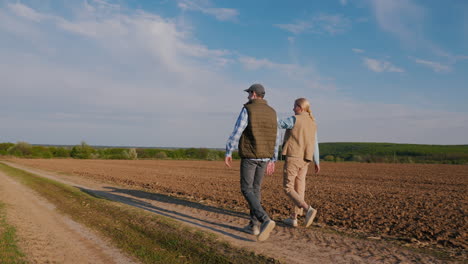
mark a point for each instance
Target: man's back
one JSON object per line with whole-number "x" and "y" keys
{"x": 259, "y": 138}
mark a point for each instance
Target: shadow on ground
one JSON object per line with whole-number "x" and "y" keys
{"x": 136, "y": 198}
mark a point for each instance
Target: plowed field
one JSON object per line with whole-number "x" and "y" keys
{"x": 423, "y": 205}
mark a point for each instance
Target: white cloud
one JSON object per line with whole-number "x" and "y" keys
{"x": 449, "y": 57}
{"x": 160, "y": 38}
{"x": 105, "y": 62}
{"x": 406, "y": 20}
{"x": 296, "y": 28}
{"x": 358, "y": 50}
{"x": 461, "y": 57}
{"x": 302, "y": 76}
{"x": 435, "y": 66}
{"x": 252, "y": 63}
{"x": 379, "y": 122}
{"x": 222, "y": 14}
{"x": 402, "y": 18}
{"x": 381, "y": 65}
{"x": 26, "y": 12}
{"x": 320, "y": 24}
{"x": 333, "y": 24}
{"x": 343, "y": 2}
{"x": 362, "y": 20}
{"x": 290, "y": 70}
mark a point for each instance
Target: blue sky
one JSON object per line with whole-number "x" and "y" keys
{"x": 172, "y": 73}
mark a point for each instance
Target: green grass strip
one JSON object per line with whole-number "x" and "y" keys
{"x": 9, "y": 251}
{"x": 148, "y": 237}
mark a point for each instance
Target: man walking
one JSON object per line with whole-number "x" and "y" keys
{"x": 256, "y": 135}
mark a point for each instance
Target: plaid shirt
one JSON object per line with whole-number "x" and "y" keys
{"x": 288, "y": 123}
{"x": 241, "y": 124}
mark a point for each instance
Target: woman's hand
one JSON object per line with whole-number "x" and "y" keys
{"x": 317, "y": 168}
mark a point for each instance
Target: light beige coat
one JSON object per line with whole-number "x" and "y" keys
{"x": 299, "y": 142}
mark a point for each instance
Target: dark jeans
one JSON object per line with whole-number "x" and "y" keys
{"x": 252, "y": 173}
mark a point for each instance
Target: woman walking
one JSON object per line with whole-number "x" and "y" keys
{"x": 300, "y": 147}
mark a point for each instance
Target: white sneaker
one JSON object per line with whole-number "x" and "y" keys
{"x": 265, "y": 230}
{"x": 290, "y": 222}
{"x": 310, "y": 215}
{"x": 252, "y": 229}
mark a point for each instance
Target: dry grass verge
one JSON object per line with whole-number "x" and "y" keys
{"x": 9, "y": 251}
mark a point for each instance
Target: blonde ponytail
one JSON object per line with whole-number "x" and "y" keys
{"x": 305, "y": 105}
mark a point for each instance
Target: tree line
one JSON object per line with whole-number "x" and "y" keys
{"x": 85, "y": 151}
{"x": 334, "y": 152}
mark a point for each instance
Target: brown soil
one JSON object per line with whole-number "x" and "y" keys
{"x": 45, "y": 236}
{"x": 417, "y": 205}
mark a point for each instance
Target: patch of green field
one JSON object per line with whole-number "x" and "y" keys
{"x": 394, "y": 153}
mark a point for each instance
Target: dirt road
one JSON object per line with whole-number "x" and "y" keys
{"x": 46, "y": 236}
{"x": 289, "y": 245}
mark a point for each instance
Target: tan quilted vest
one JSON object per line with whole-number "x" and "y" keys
{"x": 299, "y": 141}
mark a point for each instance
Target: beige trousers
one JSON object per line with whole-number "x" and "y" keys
{"x": 294, "y": 181}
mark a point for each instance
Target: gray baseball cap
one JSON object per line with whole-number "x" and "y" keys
{"x": 257, "y": 88}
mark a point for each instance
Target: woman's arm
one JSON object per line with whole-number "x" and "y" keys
{"x": 287, "y": 123}
{"x": 316, "y": 151}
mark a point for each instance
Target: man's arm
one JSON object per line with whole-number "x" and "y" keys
{"x": 233, "y": 140}
{"x": 271, "y": 165}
